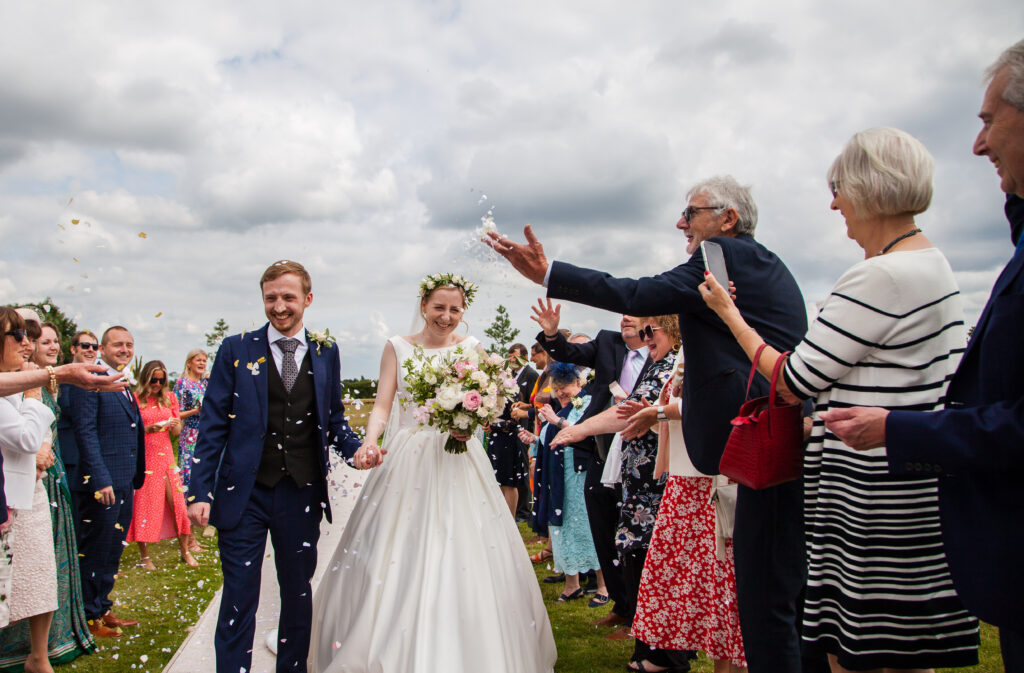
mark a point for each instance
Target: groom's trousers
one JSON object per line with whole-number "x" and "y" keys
{"x": 292, "y": 517}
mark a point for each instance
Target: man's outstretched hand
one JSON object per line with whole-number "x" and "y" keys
{"x": 527, "y": 258}
{"x": 85, "y": 376}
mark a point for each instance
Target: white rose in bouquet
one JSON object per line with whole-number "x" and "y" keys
{"x": 495, "y": 359}
{"x": 463, "y": 420}
{"x": 448, "y": 397}
{"x": 430, "y": 378}
{"x": 480, "y": 377}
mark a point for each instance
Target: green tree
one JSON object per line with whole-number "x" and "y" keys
{"x": 361, "y": 388}
{"x": 214, "y": 337}
{"x": 49, "y": 312}
{"x": 501, "y": 332}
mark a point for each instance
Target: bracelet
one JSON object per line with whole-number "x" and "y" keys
{"x": 53, "y": 377}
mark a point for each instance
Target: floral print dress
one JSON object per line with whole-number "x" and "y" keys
{"x": 641, "y": 492}
{"x": 190, "y": 395}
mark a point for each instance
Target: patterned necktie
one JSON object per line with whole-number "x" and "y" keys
{"x": 289, "y": 370}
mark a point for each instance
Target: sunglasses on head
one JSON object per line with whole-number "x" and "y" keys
{"x": 18, "y": 334}
{"x": 87, "y": 346}
{"x": 647, "y": 333}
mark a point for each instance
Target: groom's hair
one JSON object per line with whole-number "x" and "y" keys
{"x": 286, "y": 266}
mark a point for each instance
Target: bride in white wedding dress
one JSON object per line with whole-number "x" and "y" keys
{"x": 430, "y": 574}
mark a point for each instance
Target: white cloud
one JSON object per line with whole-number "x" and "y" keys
{"x": 358, "y": 140}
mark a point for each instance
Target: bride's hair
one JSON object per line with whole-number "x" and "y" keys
{"x": 437, "y": 281}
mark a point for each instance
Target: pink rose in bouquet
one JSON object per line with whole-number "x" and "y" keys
{"x": 471, "y": 400}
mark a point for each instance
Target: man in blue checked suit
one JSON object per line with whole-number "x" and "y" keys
{"x": 271, "y": 413}
{"x": 111, "y": 444}
{"x": 975, "y": 446}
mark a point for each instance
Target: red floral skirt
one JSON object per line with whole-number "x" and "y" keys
{"x": 687, "y": 597}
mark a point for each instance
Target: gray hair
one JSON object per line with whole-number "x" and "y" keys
{"x": 1013, "y": 59}
{"x": 884, "y": 171}
{"x": 724, "y": 191}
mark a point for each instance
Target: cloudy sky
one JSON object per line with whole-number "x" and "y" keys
{"x": 366, "y": 140}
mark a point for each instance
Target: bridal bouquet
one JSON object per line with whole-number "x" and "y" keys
{"x": 460, "y": 390}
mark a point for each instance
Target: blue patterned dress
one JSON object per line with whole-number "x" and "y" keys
{"x": 571, "y": 542}
{"x": 190, "y": 395}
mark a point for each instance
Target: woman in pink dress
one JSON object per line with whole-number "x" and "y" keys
{"x": 159, "y": 511}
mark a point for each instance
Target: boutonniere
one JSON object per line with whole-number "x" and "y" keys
{"x": 254, "y": 367}
{"x": 128, "y": 378}
{"x": 577, "y": 403}
{"x": 322, "y": 339}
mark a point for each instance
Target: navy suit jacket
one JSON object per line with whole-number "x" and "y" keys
{"x": 233, "y": 425}
{"x": 110, "y": 438}
{"x": 716, "y": 367}
{"x": 66, "y": 430}
{"x": 976, "y": 448}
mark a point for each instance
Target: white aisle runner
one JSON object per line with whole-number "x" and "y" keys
{"x": 196, "y": 654}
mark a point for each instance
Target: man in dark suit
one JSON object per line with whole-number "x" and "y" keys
{"x": 976, "y": 445}
{"x": 768, "y": 534}
{"x": 526, "y": 379}
{"x": 271, "y": 413}
{"x": 615, "y": 357}
{"x": 84, "y": 348}
{"x": 111, "y": 445}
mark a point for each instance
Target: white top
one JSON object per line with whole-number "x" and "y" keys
{"x": 24, "y": 426}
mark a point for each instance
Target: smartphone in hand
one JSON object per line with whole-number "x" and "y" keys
{"x": 714, "y": 261}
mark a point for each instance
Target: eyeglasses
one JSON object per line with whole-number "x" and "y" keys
{"x": 690, "y": 211}
{"x": 647, "y": 333}
{"x": 87, "y": 346}
{"x": 18, "y": 334}
{"x": 834, "y": 187}
{"x": 161, "y": 381}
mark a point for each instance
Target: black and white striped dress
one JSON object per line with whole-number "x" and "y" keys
{"x": 879, "y": 592}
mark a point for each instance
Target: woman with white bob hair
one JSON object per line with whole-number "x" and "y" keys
{"x": 890, "y": 334}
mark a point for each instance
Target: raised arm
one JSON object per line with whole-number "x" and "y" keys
{"x": 340, "y": 435}
{"x": 603, "y": 423}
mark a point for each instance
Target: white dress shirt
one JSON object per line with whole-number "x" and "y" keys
{"x": 275, "y": 350}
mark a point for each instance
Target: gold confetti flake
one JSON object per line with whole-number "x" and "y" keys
{"x": 158, "y": 314}
{"x": 75, "y": 221}
{"x": 142, "y": 234}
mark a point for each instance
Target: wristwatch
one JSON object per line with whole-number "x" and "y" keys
{"x": 661, "y": 413}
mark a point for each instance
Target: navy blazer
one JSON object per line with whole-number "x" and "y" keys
{"x": 110, "y": 438}
{"x": 66, "y": 431}
{"x": 716, "y": 367}
{"x": 233, "y": 424}
{"x": 976, "y": 448}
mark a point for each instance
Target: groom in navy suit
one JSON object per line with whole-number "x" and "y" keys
{"x": 975, "y": 446}
{"x": 271, "y": 413}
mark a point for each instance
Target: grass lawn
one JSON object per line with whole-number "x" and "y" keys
{"x": 169, "y": 600}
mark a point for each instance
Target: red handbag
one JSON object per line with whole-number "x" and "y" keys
{"x": 765, "y": 447}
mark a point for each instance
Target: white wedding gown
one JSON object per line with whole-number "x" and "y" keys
{"x": 430, "y": 574}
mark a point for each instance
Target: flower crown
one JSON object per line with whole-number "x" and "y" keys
{"x": 436, "y": 280}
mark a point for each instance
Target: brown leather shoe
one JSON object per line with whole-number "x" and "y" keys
{"x": 623, "y": 633}
{"x": 611, "y": 619}
{"x": 114, "y": 622}
{"x": 98, "y": 630}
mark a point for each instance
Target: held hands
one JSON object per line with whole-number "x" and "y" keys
{"x": 641, "y": 418}
{"x": 528, "y": 259}
{"x": 199, "y": 514}
{"x": 547, "y": 316}
{"x": 368, "y": 455}
{"x": 861, "y": 428}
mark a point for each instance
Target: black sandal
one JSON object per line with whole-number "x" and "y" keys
{"x": 565, "y": 598}
{"x": 598, "y": 600}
